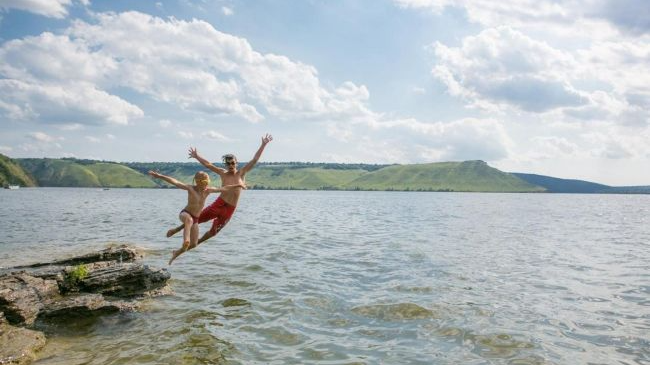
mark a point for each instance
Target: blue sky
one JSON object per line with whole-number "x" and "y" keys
{"x": 559, "y": 88}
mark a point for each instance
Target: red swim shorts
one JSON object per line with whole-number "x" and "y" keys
{"x": 220, "y": 211}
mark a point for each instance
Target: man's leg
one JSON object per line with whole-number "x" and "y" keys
{"x": 206, "y": 237}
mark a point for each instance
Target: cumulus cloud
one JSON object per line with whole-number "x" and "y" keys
{"x": 74, "y": 103}
{"x": 48, "y": 8}
{"x": 188, "y": 64}
{"x": 504, "y": 66}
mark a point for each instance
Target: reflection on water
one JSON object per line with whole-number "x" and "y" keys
{"x": 358, "y": 277}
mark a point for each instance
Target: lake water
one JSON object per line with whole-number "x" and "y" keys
{"x": 358, "y": 277}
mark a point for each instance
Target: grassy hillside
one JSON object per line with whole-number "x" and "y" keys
{"x": 115, "y": 175}
{"x": 55, "y": 172}
{"x": 281, "y": 177}
{"x": 11, "y": 173}
{"x": 443, "y": 176}
{"x": 556, "y": 185}
{"x": 73, "y": 173}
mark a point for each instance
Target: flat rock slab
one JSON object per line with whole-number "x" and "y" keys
{"x": 123, "y": 279}
{"x": 121, "y": 253}
{"x": 84, "y": 305}
{"x": 19, "y": 345}
{"x": 22, "y": 297}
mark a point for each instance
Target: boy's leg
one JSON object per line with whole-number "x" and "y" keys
{"x": 187, "y": 226}
{"x": 194, "y": 235}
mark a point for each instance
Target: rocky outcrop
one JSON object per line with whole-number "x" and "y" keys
{"x": 23, "y": 296}
{"x": 94, "y": 284}
{"x": 18, "y": 345}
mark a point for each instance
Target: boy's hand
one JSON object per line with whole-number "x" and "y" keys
{"x": 243, "y": 186}
{"x": 266, "y": 139}
{"x": 193, "y": 153}
{"x": 154, "y": 174}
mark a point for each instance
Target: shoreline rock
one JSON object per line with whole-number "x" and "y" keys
{"x": 18, "y": 345}
{"x": 93, "y": 284}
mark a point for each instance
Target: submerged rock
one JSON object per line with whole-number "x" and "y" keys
{"x": 18, "y": 345}
{"x": 235, "y": 302}
{"x": 394, "y": 312}
{"x": 84, "y": 305}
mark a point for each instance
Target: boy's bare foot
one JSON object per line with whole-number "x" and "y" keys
{"x": 171, "y": 232}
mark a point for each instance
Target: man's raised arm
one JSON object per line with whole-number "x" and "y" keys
{"x": 195, "y": 154}
{"x": 265, "y": 140}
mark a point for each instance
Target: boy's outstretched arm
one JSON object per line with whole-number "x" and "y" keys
{"x": 214, "y": 189}
{"x": 170, "y": 180}
{"x": 249, "y": 166}
{"x": 195, "y": 154}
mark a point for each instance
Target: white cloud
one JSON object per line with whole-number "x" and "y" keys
{"x": 186, "y": 135}
{"x": 69, "y": 78}
{"x": 227, "y": 11}
{"x": 413, "y": 141}
{"x": 41, "y": 137}
{"x": 628, "y": 15}
{"x": 76, "y": 103}
{"x": 168, "y": 61}
{"x": 165, "y": 123}
{"x": 110, "y": 136}
{"x": 503, "y": 67}
{"x": 214, "y": 135}
{"x": 6, "y": 149}
{"x": 93, "y": 139}
{"x": 71, "y": 127}
{"x": 48, "y": 8}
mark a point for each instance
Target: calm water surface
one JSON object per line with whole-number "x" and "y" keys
{"x": 358, "y": 277}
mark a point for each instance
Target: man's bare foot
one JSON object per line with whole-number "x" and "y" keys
{"x": 177, "y": 253}
{"x": 171, "y": 232}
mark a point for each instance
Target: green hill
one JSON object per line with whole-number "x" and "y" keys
{"x": 442, "y": 176}
{"x": 74, "y": 173}
{"x": 11, "y": 173}
{"x": 310, "y": 178}
{"x": 470, "y": 176}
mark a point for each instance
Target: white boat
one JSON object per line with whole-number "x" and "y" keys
{"x": 13, "y": 187}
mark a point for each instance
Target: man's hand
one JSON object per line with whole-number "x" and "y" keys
{"x": 266, "y": 139}
{"x": 193, "y": 153}
{"x": 154, "y": 174}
